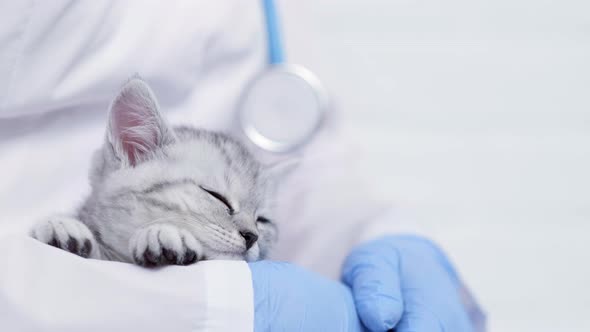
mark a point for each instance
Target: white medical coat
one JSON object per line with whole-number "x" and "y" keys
{"x": 60, "y": 64}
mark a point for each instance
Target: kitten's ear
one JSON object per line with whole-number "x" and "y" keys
{"x": 136, "y": 128}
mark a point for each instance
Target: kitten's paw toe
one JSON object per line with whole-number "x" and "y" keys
{"x": 159, "y": 245}
{"x": 67, "y": 234}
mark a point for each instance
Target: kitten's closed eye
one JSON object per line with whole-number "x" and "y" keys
{"x": 263, "y": 220}
{"x": 220, "y": 198}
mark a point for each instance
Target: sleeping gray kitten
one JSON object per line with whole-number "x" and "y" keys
{"x": 163, "y": 195}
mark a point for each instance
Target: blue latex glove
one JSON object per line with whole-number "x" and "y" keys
{"x": 407, "y": 283}
{"x": 289, "y": 298}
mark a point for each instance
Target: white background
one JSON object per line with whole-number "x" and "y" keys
{"x": 474, "y": 117}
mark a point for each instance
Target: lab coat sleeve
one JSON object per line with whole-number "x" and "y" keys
{"x": 46, "y": 289}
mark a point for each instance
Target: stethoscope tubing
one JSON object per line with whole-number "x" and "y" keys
{"x": 276, "y": 54}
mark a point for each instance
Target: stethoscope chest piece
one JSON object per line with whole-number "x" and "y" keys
{"x": 282, "y": 108}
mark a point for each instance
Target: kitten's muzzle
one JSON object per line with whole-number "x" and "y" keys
{"x": 250, "y": 238}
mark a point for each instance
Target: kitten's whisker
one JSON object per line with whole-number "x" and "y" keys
{"x": 160, "y": 220}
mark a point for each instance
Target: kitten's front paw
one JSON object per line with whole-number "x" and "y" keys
{"x": 160, "y": 244}
{"x": 68, "y": 234}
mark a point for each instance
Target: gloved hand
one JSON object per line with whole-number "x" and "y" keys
{"x": 289, "y": 298}
{"x": 407, "y": 283}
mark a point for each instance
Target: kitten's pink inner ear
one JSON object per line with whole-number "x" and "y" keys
{"x": 133, "y": 144}
{"x": 136, "y": 127}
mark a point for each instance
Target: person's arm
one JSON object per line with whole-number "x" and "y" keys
{"x": 46, "y": 289}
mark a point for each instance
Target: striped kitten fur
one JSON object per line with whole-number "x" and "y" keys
{"x": 167, "y": 195}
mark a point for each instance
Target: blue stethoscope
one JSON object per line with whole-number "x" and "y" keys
{"x": 283, "y": 107}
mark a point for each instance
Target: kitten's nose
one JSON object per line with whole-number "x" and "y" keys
{"x": 250, "y": 238}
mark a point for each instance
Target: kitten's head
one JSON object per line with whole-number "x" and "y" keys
{"x": 205, "y": 182}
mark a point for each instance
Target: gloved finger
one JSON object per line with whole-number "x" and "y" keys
{"x": 422, "y": 316}
{"x": 431, "y": 297}
{"x": 372, "y": 271}
{"x": 417, "y": 317}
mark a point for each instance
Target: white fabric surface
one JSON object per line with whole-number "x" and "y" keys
{"x": 47, "y": 289}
